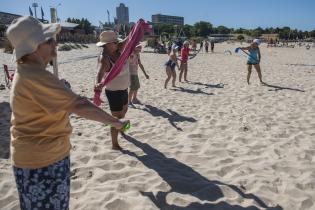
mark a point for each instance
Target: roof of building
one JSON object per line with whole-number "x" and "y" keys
{"x": 68, "y": 25}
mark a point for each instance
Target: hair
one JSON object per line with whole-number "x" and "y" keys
{"x": 24, "y": 59}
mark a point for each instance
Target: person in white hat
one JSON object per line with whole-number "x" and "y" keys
{"x": 134, "y": 63}
{"x": 170, "y": 66}
{"x": 116, "y": 90}
{"x": 40, "y": 126}
{"x": 254, "y": 58}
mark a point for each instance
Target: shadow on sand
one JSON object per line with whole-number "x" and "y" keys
{"x": 184, "y": 180}
{"x": 276, "y": 88}
{"x": 172, "y": 116}
{"x": 219, "y": 85}
{"x": 186, "y": 90}
{"x": 5, "y": 116}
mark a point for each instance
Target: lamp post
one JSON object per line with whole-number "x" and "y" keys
{"x": 54, "y": 19}
{"x": 35, "y": 5}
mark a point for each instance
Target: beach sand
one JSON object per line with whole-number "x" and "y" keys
{"x": 212, "y": 143}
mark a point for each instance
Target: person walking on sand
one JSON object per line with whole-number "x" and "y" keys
{"x": 40, "y": 125}
{"x": 116, "y": 90}
{"x": 206, "y": 46}
{"x": 170, "y": 66}
{"x": 212, "y": 46}
{"x": 184, "y": 62}
{"x": 201, "y": 46}
{"x": 254, "y": 58}
{"x": 134, "y": 62}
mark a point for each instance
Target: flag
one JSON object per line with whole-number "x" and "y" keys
{"x": 41, "y": 9}
{"x": 30, "y": 10}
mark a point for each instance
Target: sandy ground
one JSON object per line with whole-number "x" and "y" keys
{"x": 212, "y": 143}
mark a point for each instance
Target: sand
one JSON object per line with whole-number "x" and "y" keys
{"x": 212, "y": 143}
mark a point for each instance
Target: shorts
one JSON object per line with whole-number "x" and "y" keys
{"x": 251, "y": 63}
{"x": 117, "y": 99}
{"x": 44, "y": 188}
{"x": 134, "y": 82}
{"x": 171, "y": 64}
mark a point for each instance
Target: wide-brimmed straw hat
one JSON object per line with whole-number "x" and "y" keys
{"x": 107, "y": 37}
{"x": 186, "y": 42}
{"x": 26, "y": 33}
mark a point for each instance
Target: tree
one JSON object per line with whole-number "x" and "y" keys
{"x": 240, "y": 37}
{"x": 222, "y": 30}
{"x": 82, "y": 24}
{"x": 203, "y": 28}
{"x": 189, "y": 30}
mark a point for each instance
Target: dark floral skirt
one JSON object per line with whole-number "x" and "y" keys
{"x": 44, "y": 188}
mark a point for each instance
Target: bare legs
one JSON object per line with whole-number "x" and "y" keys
{"x": 257, "y": 67}
{"x": 132, "y": 97}
{"x": 170, "y": 73}
{"x": 249, "y": 69}
{"x": 113, "y": 131}
{"x": 183, "y": 69}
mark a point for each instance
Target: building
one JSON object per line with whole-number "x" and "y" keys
{"x": 167, "y": 19}
{"x": 269, "y": 37}
{"x": 122, "y": 14}
{"x": 220, "y": 37}
{"x": 7, "y": 18}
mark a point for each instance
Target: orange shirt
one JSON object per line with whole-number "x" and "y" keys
{"x": 40, "y": 126}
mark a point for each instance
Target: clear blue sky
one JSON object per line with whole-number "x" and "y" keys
{"x": 298, "y": 14}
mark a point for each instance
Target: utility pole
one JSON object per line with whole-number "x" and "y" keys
{"x": 53, "y": 14}
{"x": 108, "y": 16}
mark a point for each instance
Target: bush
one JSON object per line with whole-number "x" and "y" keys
{"x": 64, "y": 47}
{"x": 78, "y": 46}
{"x": 240, "y": 37}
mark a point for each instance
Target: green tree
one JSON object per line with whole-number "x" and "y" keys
{"x": 222, "y": 30}
{"x": 240, "y": 37}
{"x": 203, "y": 28}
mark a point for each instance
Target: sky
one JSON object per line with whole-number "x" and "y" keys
{"x": 247, "y": 14}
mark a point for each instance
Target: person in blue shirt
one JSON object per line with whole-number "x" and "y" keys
{"x": 254, "y": 58}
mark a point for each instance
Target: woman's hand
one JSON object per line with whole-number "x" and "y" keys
{"x": 98, "y": 86}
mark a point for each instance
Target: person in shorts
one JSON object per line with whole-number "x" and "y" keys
{"x": 254, "y": 58}
{"x": 170, "y": 66}
{"x": 134, "y": 63}
{"x": 117, "y": 89}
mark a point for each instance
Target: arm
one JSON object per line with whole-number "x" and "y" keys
{"x": 84, "y": 108}
{"x": 142, "y": 68}
{"x": 244, "y": 48}
{"x": 103, "y": 69}
{"x": 174, "y": 58}
{"x": 259, "y": 55}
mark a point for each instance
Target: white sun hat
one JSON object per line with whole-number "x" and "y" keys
{"x": 257, "y": 41}
{"x": 26, "y": 33}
